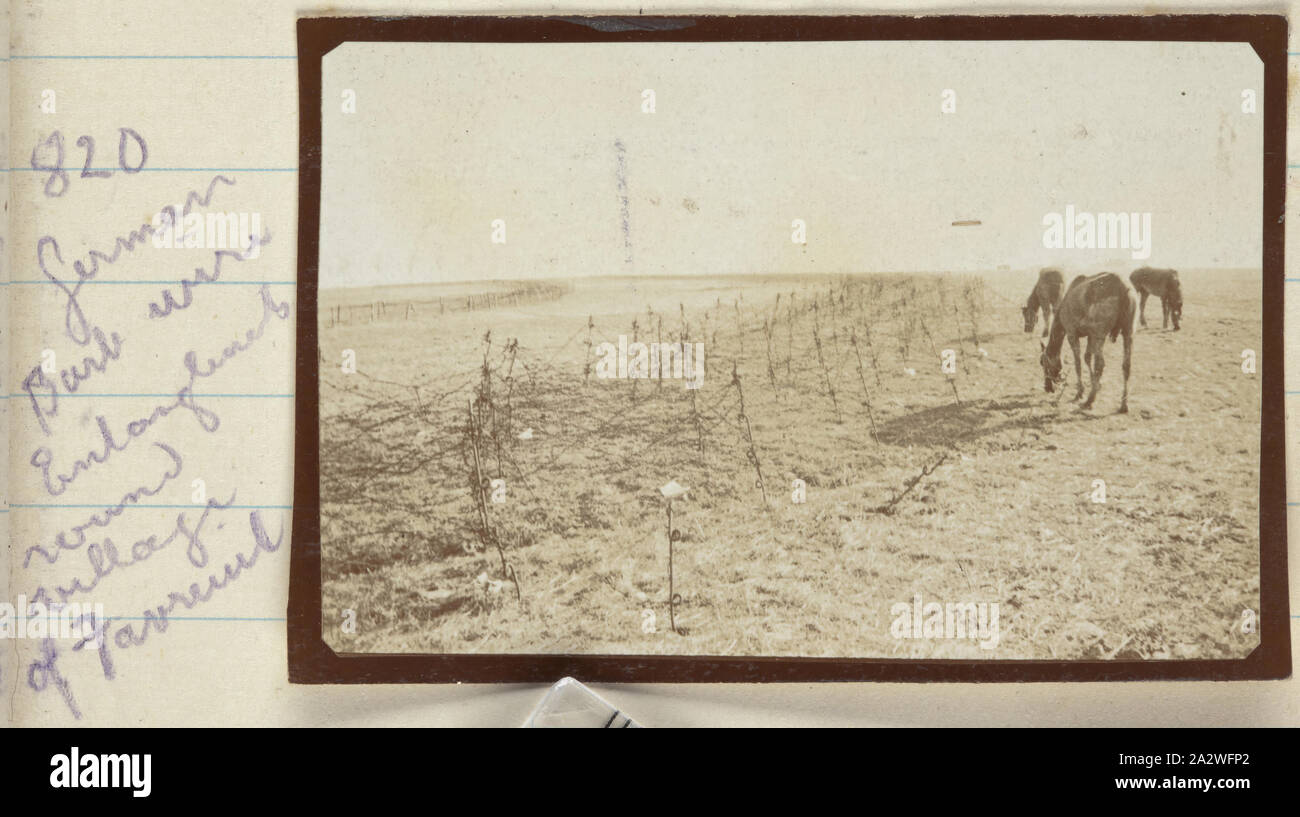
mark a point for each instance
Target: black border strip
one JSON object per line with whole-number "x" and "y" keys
{"x": 312, "y": 661}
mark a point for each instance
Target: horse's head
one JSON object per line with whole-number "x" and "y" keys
{"x": 1031, "y": 317}
{"x": 1052, "y": 376}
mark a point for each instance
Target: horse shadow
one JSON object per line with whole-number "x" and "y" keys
{"x": 972, "y": 420}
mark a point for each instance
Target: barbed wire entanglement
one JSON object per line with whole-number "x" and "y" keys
{"x": 526, "y": 412}
{"x": 381, "y": 310}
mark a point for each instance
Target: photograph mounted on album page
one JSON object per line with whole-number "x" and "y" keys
{"x": 769, "y": 348}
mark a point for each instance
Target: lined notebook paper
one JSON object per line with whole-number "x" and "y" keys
{"x": 150, "y": 270}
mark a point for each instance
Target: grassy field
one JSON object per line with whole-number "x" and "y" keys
{"x": 1161, "y": 570}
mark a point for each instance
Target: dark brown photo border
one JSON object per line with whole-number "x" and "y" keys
{"x": 312, "y": 661}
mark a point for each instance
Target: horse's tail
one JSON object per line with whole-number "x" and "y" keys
{"x": 1127, "y": 311}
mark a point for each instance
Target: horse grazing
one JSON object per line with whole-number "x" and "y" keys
{"x": 1093, "y": 307}
{"x": 1046, "y": 296}
{"x": 1162, "y": 283}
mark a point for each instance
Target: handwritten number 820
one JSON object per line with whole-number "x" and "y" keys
{"x": 56, "y": 184}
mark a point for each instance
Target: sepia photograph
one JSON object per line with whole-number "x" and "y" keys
{"x": 869, "y": 349}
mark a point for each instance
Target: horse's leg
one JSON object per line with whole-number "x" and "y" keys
{"x": 1142, "y": 307}
{"x": 1047, "y": 318}
{"x": 1164, "y": 313}
{"x": 1078, "y": 369}
{"x": 1128, "y": 363}
{"x": 1097, "y": 364}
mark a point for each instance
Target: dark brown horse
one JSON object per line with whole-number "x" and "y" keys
{"x": 1162, "y": 283}
{"x": 1045, "y": 297}
{"x": 1094, "y": 307}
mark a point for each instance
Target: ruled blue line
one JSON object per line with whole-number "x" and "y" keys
{"x": 93, "y": 282}
{"x": 254, "y": 395}
{"x": 173, "y": 169}
{"x": 27, "y": 506}
{"x": 152, "y": 57}
{"x": 194, "y": 618}
{"x": 168, "y": 618}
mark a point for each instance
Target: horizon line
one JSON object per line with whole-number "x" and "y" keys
{"x": 705, "y": 275}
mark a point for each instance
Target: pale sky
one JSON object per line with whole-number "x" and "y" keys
{"x": 747, "y": 137}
